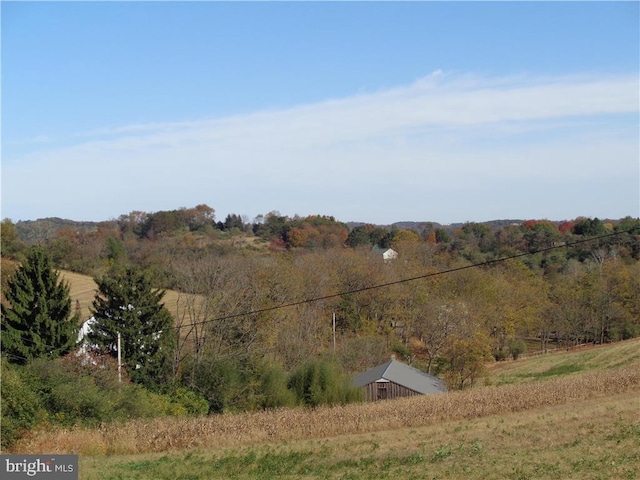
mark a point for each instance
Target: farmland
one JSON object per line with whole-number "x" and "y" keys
{"x": 594, "y": 439}
{"x": 83, "y": 290}
{"x": 566, "y": 414}
{"x": 574, "y": 423}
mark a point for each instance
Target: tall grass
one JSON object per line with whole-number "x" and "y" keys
{"x": 217, "y": 431}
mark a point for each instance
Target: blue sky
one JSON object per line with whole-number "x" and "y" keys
{"x": 375, "y": 112}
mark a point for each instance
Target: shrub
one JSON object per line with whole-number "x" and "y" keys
{"x": 500, "y": 355}
{"x": 77, "y": 400}
{"x": 193, "y": 403}
{"x": 321, "y": 383}
{"x": 74, "y": 393}
{"x": 69, "y": 398}
{"x": 221, "y": 383}
{"x": 273, "y": 389}
{"x": 134, "y": 401}
{"x": 20, "y": 406}
{"x": 517, "y": 348}
{"x": 185, "y": 401}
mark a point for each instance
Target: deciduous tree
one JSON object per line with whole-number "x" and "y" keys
{"x": 10, "y": 244}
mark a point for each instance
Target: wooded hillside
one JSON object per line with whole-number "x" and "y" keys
{"x": 455, "y": 298}
{"x": 253, "y": 304}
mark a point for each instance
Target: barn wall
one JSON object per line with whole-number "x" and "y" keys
{"x": 387, "y": 390}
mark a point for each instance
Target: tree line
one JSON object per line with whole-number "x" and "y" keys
{"x": 252, "y": 313}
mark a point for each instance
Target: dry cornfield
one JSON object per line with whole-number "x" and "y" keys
{"x": 294, "y": 424}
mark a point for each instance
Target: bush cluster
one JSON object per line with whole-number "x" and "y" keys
{"x": 73, "y": 391}
{"x": 76, "y": 391}
{"x": 244, "y": 386}
{"x": 318, "y": 383}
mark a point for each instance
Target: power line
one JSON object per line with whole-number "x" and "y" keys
{"x": 381, "y": 285}
{"x": 404, "y": 280}
{"x": 15, "y": 357}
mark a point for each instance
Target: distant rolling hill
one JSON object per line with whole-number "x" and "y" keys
{"x": 34, "y": 231}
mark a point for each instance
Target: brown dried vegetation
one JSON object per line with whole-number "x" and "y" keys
{"x": 294, "y": 424}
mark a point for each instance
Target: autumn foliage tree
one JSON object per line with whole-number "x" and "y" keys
{"x": 465, "y": 298}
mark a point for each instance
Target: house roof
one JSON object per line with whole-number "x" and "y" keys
{"x": 377, "y": 250}
{"x": 404, "y": 375}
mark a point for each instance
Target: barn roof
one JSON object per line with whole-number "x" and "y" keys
{"x": 404, "y": 375}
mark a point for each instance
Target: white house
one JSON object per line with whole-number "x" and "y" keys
{"x": 84, "y": 348}
{"x": 387, "y": 254}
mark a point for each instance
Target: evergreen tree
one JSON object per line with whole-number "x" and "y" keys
{"x": 359, "y": 236}
{"x": 126, "y": 303}
{"x": 37, "y": 321}
{"x": 233, "y": 221}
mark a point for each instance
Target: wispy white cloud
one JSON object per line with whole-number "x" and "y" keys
{"x": 398, "y": 149}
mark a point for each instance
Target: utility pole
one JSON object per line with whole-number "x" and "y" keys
{"x": 334, "y": 332}
{"x": 119, "y": 361}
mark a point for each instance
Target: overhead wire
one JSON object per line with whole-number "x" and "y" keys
{"x": 404, "y": 280}
{"x": 381, "y": 285}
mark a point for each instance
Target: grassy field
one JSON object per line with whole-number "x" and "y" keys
{"x": 594, "y": 439}
{"x": 83, "y": 289}
{"x": 537, "y": 419}
{"x": 587, "y": 358}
